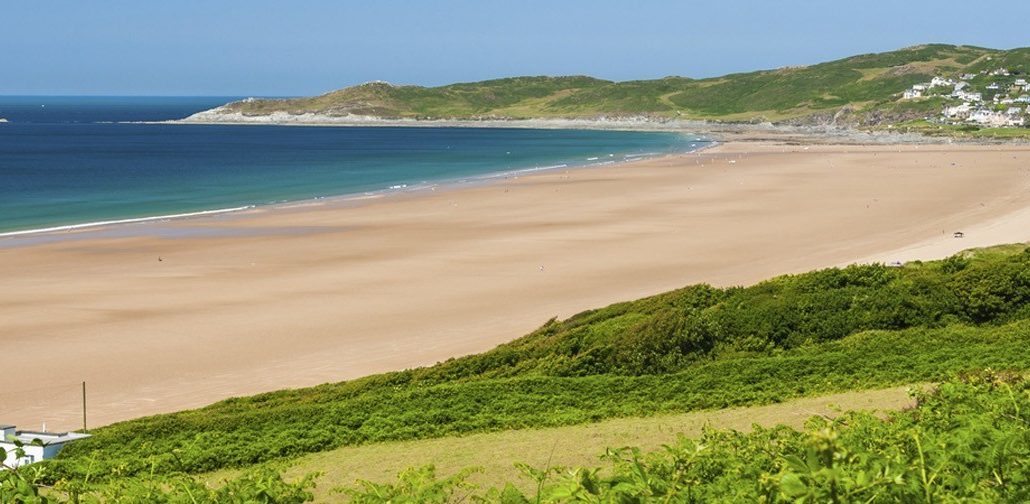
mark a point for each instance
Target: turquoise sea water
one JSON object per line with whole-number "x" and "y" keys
{"x": 74, "y": 160}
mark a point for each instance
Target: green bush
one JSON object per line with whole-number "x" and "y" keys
{"x": 24, "y": 485}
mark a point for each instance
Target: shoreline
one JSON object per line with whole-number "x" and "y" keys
{"x": 827, "y": 133}
{"x": 117, "y": 222}
{"x": 347, "y": 197}
{"x": 729, "y": 131}
{"x": 237, "y": 304}
{"x": 616, "y": 124}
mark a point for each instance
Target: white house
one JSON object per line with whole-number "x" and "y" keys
{"x": 969, "y": 97}
{"x": 1020, "y": 82}
{"x": 49, "y": 444}
{"x": 987, "y": 117}
{"x": 990, "y": 118}
{"x": 939, "y": 81}
{"x": 993, "y": 85}
{"x": 911, "y": 94}
{"x": 958, "y": 110}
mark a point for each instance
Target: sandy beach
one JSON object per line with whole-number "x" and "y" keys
{"x": 159, "y": 317}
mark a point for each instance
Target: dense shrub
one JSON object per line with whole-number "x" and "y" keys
{"x": 23, "y": 485}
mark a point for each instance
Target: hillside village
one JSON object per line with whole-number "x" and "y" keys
{"x": 994, "y": 98}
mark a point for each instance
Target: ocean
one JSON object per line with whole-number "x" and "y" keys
{"x": 73, "y": 161}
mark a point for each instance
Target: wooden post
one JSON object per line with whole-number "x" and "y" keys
{"x": 83, "y": 406}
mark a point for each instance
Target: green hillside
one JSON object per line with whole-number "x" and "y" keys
{"x": 497, "y": 456}
{"x": 865, "y": 87}
{"x": 692, "y": 349}
{"x": 966, "y": 441}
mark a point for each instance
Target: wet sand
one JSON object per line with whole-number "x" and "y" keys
{"x": 288, "y": 297}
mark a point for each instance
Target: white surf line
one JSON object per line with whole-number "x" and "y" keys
{"x": 72, "y": 227}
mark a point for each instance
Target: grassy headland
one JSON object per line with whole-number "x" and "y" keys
{"x": 860, "y": 90}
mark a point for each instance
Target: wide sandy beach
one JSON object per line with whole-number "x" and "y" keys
{"x": 166, "y": 316}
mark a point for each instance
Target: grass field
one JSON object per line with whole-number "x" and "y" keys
{"x": 966, "y": 440}
{"x": 496, "y": 454}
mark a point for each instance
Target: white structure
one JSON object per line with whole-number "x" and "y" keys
{"x": 967, "y": 96}
{"x": 993, "y": 85}
{"x": 1020, "y": 82}
{"x": 958, "y": 111}
{"x": 916, "y": 91}
{"x": 996, "y": 119}
{"x": 984, "y": 116}
{"x": 939, "y": 81}
{"x": 49, "y": 444}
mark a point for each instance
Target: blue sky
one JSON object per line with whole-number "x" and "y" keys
{"x": 280, "y": 48}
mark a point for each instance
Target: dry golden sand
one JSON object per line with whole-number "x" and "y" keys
{"x": 290, "y": 297}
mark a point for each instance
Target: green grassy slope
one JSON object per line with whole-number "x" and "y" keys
{"x": 867, "y": 85}
{"x": 691, "y": 349}
{"x": 967, "y": 441}
{"x": 497, "y": 455}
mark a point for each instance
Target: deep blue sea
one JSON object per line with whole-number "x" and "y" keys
{"x": 77, "y": 160}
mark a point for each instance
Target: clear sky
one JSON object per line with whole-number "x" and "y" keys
{"x": 299, "y": 47}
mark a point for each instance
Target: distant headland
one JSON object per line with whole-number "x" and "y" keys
{"x": 882, "y": 91}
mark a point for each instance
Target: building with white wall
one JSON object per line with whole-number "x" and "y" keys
{"x": 50, "y": 443}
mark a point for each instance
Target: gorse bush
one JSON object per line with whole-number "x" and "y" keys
{"x": 671, "y": 331}
{"x": 19, "y": 484}
{"x": 695, "y": 348}
{"x": 23, "y": 485}
{"x": 968, "y": 441}
{"x": 263, "y": 486}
